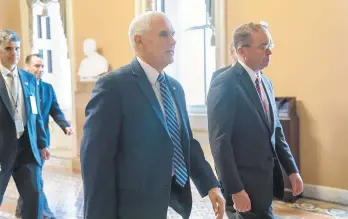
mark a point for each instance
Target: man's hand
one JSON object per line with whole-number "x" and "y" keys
{"x": 296, "y": 184}
{"x": 241, "y": 201}
{"x": 45, "y": 153}
{"x": 69, "y": 131}
{"x": 218, "y": 202}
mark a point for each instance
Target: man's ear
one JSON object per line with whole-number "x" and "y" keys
{"x": 138, "y": 41}
{"x": 240, "y": 52}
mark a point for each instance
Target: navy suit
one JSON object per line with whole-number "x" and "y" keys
{"x": 21, "y": 157}
{"x": 126, "y": 152}
{"x": 247, "y": 149}
{"x": 218, "y": 72}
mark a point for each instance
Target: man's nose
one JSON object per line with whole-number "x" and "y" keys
{"x": 173, "y": 41}
{"x": 13, "y": 52}
{"x": 269, "y": 52}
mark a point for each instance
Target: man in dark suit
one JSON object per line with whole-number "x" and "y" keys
{"x": 137, "y": 151}
{"x": 49, "y": 107}
{"x": 234, "y": 59}
{"x": 22, "y": 137}
{"x": 246, "y": 137}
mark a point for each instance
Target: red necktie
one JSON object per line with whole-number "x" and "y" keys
{"x": 262, "y": 98}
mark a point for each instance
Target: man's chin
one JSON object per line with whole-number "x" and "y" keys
{"x": 266, "y": 64}
{"x": 11, "y": 65}
{"x": 170, "y": 60}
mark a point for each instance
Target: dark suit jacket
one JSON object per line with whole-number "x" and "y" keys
{"x": 126, "y": 152}
{"x": 8, "y": 134}
{"x": 50, "y": 107}
{"x": 218, "y": 72}
{"x": 246, "y": 148}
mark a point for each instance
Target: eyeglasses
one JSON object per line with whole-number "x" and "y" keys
{"x": 266, "y": 47}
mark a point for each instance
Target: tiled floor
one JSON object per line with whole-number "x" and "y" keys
{"x": 64, "y": 193}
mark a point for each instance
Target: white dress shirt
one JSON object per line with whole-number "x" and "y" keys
{"x": 253, "y": 75}
{"x": 152, "y": 74}
{"x": 19, "y": 113}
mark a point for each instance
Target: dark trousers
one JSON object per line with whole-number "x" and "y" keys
{"x": 26, "y": 174}
{"x": 46, "y": 211}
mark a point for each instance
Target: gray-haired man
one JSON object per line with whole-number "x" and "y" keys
{"x": 246, "y": 137}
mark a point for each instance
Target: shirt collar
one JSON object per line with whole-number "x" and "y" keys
{"x": 253, "y": 75}
{"x": 151, "y": 73}
{"x": 5, "y": 71}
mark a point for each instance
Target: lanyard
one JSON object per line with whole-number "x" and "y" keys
{"x": 14, "y": 99}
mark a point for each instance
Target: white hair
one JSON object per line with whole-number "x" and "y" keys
{"x": 141, "y": 23}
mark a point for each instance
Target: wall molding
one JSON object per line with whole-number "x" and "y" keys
{"x": 141, "y": 6}
{"x": 220, "y": 16}
{"x": 76, "y": 165}
{"x": 73, "y": 66}
{"x": 324, "y": 193}
{"x": 26, "y": 33}
{"x": 198, "y": 122}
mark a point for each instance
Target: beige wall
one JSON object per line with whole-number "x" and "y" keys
{"x": 310, "y": 62}
{"x": 10, "y": 18}
{"x": 10, "y": 15}
{"x": 107, "y": 22}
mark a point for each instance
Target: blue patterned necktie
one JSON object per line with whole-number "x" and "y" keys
{"x": 174, "y": 132}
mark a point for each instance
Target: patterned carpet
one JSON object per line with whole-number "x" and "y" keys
{"x": 64, "y": 192}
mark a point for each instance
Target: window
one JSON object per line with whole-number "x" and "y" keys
{"x": 195, "y": 53}
{"x": 39, "y": 26}
{"x": 48, "y": 28}
{"x": 42, "y": 41}
{"x": 158, "y": 5}
{"x": 40, "y": 52}
{"x": 50, "y": 42}
{"x": 49, "y": 61}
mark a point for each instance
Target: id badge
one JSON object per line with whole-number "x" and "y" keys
{"x": 33, "y": 104}
{"x": 19, "y": 125}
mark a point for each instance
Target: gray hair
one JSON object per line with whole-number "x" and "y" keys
{"x": 243, "y": 32}
{"x": 7, "y": 36}
{"x": 141, "y": 24}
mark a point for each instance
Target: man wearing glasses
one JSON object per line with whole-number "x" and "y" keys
{"x": 246, "y": 137}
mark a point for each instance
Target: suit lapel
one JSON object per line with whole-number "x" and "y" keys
{"x": 147, "y": 90}
{"x": 25, "y": 83}
{"x": 42, "y": 94}
{"x": 5, "y": 97}
{"x": 251, "y": 91}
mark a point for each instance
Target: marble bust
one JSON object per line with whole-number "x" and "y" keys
{"x": 94, "y": 64}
